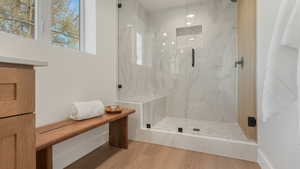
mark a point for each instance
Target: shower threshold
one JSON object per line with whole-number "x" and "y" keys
{"x": 231, "y": 131}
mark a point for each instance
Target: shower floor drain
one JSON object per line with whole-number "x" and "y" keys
{"x": 196, "y": 129}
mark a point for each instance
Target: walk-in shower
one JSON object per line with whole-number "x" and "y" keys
{"x": 178, "y": 61}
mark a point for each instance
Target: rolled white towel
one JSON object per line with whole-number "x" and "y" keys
{"x": 87, "y": 110}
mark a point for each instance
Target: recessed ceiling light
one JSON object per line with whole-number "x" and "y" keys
{"x": 164, "y": 44}
{"x": 188, "y": 23}
{"x": 173, "y": 43}
{"x": 191, "y": 39}
{"x": 165, "y": 34}
{"x": 190, "y": 16}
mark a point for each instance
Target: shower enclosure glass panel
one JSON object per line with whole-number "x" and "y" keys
{"x": 179, "y": 63}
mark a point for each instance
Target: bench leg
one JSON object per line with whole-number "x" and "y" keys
{"x": 118, "y": 133}
{"x": 44, "y": 158}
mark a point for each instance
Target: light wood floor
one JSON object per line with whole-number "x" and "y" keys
{"x": 150, "y": 156}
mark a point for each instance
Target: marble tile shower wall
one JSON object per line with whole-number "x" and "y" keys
{"x": 140, "y": 76}
{"x": 205, "y": 92}
{"x": 154, "y": 111}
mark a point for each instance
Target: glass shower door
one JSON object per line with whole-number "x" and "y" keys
{"x": 211, "y": 84}
{"x": 187, "y": 66}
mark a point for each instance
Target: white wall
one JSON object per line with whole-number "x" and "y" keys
{"x": 71, "y": 76}
{"x": 279, "y": 143}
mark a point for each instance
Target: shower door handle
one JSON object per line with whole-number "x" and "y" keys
{"x": 193, "y": 57}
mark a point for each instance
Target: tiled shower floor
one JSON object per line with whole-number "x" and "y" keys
{"x": 231, "y": 131}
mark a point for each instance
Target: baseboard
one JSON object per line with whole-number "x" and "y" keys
{"x": 263, "y": 161}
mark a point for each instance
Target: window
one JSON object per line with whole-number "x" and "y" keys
{"x": 69, "y": 25}
{"x": 139, "y": 49}
{"x": 65, "y": 29}
{"x": 18, "y": 17}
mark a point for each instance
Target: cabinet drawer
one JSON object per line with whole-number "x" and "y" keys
{"x": 17, "y": 90}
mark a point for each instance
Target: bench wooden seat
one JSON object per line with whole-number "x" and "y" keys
{"x": 49, "y": 135}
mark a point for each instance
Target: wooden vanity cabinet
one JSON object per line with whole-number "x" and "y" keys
{"x": 17, "y": 121}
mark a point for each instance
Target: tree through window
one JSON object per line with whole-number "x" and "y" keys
{"x": 65, "y": 30}
{"x": 18, "y": 17}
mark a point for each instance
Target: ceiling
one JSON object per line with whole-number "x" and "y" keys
{"x": 154, "y": 5}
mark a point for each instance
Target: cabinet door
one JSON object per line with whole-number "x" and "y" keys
{"x": 17, "y": 90}
{"x": 17, "y": 142}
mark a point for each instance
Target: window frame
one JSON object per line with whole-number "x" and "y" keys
{"x": 82, "y": 42}
{"x": 37, "y": 26}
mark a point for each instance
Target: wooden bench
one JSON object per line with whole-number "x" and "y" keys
{"x": 49, "y": 135}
